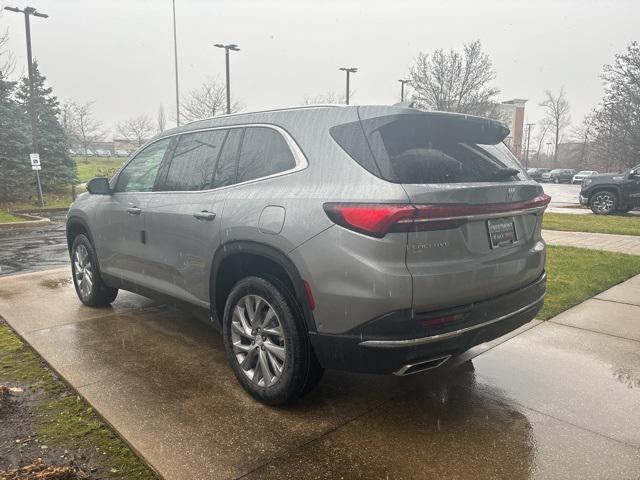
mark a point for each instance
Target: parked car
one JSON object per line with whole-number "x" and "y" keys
{"x": 372, "y": 239}
{"x": 121, "y": 153}
{"x": 536, "y": 173}
{"x": 581, "y": 175}
{"x": 90, "y": 153}
{"x": 612, "y": 192}
{"x": 103, "y": 153}
{"x": 559, "y": 175}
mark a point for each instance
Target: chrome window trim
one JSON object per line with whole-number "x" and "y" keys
{"x": 412, "y": 342}
{"x": 298, "y": 156}
{"x": 482, "y": 216}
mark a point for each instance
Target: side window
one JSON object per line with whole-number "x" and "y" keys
{"x": 226, "y": 168}
{"x": 194, "y": 160}
{"x": 264, "y": 152}
{"x": 140, "y": 174}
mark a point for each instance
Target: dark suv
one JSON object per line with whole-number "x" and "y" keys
{"x": 612, "y": 192}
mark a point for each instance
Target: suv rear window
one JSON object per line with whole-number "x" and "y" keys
{"x": 429, "y": 148}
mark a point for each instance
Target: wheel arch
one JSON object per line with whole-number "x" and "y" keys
{"x": 237, "y": 259}
{"x": 75, "y": 226}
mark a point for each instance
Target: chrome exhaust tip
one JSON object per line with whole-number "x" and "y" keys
{"x": 422, "y": 366}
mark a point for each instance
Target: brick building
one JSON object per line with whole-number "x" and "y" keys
{"x": 513, "y": 115}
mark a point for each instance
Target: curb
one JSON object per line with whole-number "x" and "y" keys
{"x": 31, "y": 220}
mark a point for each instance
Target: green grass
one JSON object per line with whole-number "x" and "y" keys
{"x": 97, "y": 167}
{"x": 63, "y": 418}
{"x": 6, "y": 217}
{"x": 619, "y": 224}
{"x": 576, "y": 274}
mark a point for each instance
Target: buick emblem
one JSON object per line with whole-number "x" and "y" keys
{"x": 511, "y": 191}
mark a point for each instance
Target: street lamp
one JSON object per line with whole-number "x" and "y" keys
{"x": 28, "y": 11}
{"x": 175, "y": 63}
{"x": 402, "y": 82}
{"x": 233, "y": 47}
{"x": 349, "y": 70}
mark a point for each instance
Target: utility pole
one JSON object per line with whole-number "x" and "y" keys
{"x": 28, "y": 11}
{"x": 232, "y": 47}
{"x": 349, "y": 70}
{"x": 402, "y": 83}
{"x": 526, "y": 156}
{"x": 175, "y": 63}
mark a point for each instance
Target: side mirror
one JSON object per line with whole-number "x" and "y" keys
{"x": 99, "y": 186}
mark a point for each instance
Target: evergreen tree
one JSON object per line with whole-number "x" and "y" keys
{"x": 16, "y": 179}
{"x": 58, "y": 168}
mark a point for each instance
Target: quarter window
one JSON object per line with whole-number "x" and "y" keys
{"x": 140, "y": 173}
{"x": 264, "y": 152}
{"x": 194, "y": 160}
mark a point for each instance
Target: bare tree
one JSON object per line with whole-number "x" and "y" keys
{"x": 162, "y": 119}
{"x": 136, "y": 129}
{"x": 7, "y": 60}
{"x": 556, "y": 114}
{"x": 456, "y": 81}
{"x": 78, "y": 121}
{"x": 206, "y": 101}
{"x": 327, "y": 98}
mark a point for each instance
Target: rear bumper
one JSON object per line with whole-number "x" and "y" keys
{"x": 398, "y": 340}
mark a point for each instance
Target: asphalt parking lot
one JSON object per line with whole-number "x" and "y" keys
{"x": 557, "y": 400}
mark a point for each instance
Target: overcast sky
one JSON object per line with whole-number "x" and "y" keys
{"x": 120, "y": 53}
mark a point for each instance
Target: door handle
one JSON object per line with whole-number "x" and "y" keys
{"x": 205, "y": 215}
{"x": 134, "y": 211}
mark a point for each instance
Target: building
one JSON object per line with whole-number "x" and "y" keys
{"x": 513, "y": 115}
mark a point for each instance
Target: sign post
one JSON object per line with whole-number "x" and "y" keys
{"x": 36, "y": 166}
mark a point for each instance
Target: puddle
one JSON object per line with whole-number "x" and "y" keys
{"x": 56, "y": 282}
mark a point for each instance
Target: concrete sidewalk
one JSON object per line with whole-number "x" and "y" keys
{"x": 596, "y": 241}
{"x": 559, "y": 399}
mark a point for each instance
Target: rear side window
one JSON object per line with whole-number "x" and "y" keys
{"x": 194, "y": 160}
{"x": 264, "y": 152}
{"x": 430, "y": 148}
{"x": 227, "y": 162}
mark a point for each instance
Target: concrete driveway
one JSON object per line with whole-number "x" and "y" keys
{"x": 555, "y": 401}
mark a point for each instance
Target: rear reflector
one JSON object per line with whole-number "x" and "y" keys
{"x": 378, "y": 219}
{"x": 309, "y": 294}
{"x": 432, "y": 322}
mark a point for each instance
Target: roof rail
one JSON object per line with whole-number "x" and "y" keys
{"x": 302, "y": 107}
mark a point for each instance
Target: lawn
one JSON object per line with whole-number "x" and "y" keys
{"x": 97, "y": 167}
{"x": 576, "y": 274}
{"x": 42, "y": 418}
{"x": 619, "y": 224}
{"x": 6, "y": 217}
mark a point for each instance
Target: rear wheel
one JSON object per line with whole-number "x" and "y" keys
{"x": 266, "y": 342}
{"x": 603, "y": 203}
{"x": 90, "y": 288}
{"x": 556, "y": 180}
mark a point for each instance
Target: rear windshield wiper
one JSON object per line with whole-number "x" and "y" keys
{"x": 504, "y": 173}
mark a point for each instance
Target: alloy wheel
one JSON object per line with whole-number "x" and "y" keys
{"x": 83, "y": 270}
{"x": 258, "y": 340}
{"x": 603, "y": 202}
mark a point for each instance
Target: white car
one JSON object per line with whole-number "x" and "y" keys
{"x": 581, "y": 175}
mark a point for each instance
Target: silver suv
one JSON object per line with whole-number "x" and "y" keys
{"x": 373, "y": 239}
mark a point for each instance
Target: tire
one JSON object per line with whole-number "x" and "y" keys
{"x": 603, "y": 202}
{"x": 90, "y": 288}
{"x": 266, "y": 342}
{"x": 556, "y": 180}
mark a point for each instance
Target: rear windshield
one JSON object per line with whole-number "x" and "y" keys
{"x": 430, "y": 148}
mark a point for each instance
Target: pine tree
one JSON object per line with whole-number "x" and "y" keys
{"x": 16, "y": 179}
{"x": 58, "y": 168}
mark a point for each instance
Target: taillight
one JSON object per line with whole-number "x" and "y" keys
{"x": 373, "y": 219}
{"x": 378, "y": 219}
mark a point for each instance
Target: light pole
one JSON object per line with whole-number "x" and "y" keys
{"x": 349, "y": 70}
{"x": 175, "y": 63}
{"x": 402, "y": 83}
{"x": 233, "y": 47}
{"x": 28, "y": 11}
{"x": 526, "y": 157}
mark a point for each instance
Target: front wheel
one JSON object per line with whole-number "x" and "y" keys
{"x": 267, "y": 343}
{"x": 603, "y": 203}
{"x": 90, "y": 288}
{"x": 556, "y": 180}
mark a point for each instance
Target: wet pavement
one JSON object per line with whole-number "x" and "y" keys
{"x": 559, "y": 399}
{"x": 33, "y": 248}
